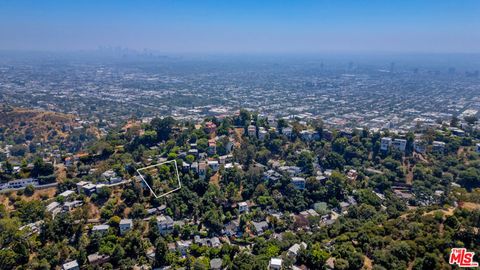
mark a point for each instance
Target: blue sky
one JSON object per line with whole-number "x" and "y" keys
{"x": 231, "y": 26}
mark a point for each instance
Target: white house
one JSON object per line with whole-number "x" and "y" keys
{"x": 399, "y": 144}
{"x": 216, "y": 264}
{"x": 68, "y": 206}
{"x": 21, "y": 183}
{"x": 242, "y": 207}
{"x": 419, "y": 146}
{"x": 252, "y": 131}
{"x": 183, "y": 246}
{"x": 101, "y": 229}
{"x": 287, "y": 131}
{"x": 164, "y": 224}
{"x": 275, "y": 264}
{"x": 125, "y": 225}
{"x": 272, "y": 122}
{"x": 385, "y": 143}
{"x": 73, "y": 265}
{"x": 295, "y": 249}
{"x": 438, "y": 146}
{"x": 52, "y": 207}
{"x": 214, "y": 165}
{"x": 298, "y": 183}
{"x": 67, "y": 193}
{"x": 262, "y": 134}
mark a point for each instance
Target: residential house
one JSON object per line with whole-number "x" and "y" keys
{"x": 295, "y": 249}
{"x": 164, "y": 224}
{"x": 330, "y": 263}
{"x": 21, "y": 183}
{"x": 210, "y": 127}
{"x": 125, "y": 225}
{"x": 291, "y": 170}
{"x": 438, "y": 146}
{"x": 298, "y": 183}
{"x": 287, "y": 131}
{"x": 214, "y": 165}
{"x": 458, "y": 132}
{"x": 32, "y": 228}
{"x": 183, "y": 246}
{"x": 66, "y": 193}
{"x": 272, "y": 122}
{"x": 212, "y": 147}
{"x": 209, "y": 242}
{"x": 53, "y": 208}
{"x": 352, "y": 175}
{"x": 87, "y": 188}
{"x": 193, "y": 152}
{"x": 275, "y": 264}
{"x": 307, "y": 135}
{"x": 68, "y": 206}
{"x": 101, "y": 229}
{"x": 185, "y": 167}
{"x": 262, "y": 134}
{"x": 385, "y": 143}
{"x": 399, "y": 144}
{"x": 202, "y": 169}
{"x": 420, "y": 146}
{"x": 252, "y": 131}
{"x": 216, "y": 264}
{"x": 232, "y": 229}
{"x": 229, "y": 145}
{"x": 260, "y": 227}
{"x": 271, "y": 176}
{"x": 242, "y": 207}
{"x": 80, "y": 186}
{"x": 97, "y": 259}
{"x": 73, "y": 265}
{"x": 108, "y": 174}
{"x": 194, "y": 167}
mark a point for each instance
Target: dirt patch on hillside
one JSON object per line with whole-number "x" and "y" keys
{"x": 215, "y": 179}
{"x": 470, "y": 205}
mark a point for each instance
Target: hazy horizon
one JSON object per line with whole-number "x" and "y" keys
{"x": 237, "y": 27}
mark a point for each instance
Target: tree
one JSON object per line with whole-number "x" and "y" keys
{"x": 163, "y": 127}
{"x": 138, "y": 211}
{"x": 161, "y": 252}
{"x": 129, "y": 196}
{"x": 341, "y": 264}
{"x": 41, "y": 168}
{"x": 18, "y": 150}
{"x": 243, "y": 261}
{"x": 7, "y": 259}
{"x": 471, "y": 119}
{"x": 316, "y": 256}
{"x": 149, "y": 137}
{"x": 470, "y": 177}
{"x": 244, "y": 118}
{"x": 334, "y": 160}
{"x": 104, "y": 193}
{"x": 30, "y": 211}
{"x": 454, "y": 121}
{"x": 339, "y": 145}
{"x": 336, "y": 185}
{"x": 305, "y": 161}
{"x": 118, "y": 254}
{"x": 29, "y": 190}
